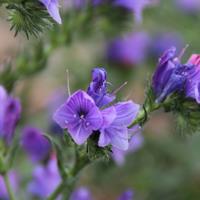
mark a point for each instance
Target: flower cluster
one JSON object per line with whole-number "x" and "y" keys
{"x": 172, "y": 76}
{"x": 92, "y": 112}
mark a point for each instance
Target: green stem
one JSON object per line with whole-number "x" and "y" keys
{"x": 144, "y": 113}
{"x": 8, "y": 186}
{"x": 57, "y": 191}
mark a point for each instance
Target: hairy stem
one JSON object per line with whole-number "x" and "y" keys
{"x": 144, "y": 113}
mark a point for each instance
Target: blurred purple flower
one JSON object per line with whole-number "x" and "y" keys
{"x": 10, "y": 111}
{"x": 135, "y": 143}
{"x": 116, "y": 119}
{"x": 98, "y": 88}
{"x": 192, "y": 88}
{"x": 164, "y": 41}
{"x": 189, "y": 6}
{"x": 52, "y": 7}
{"x": 35, "y": 144}
{"x": 81, "y": 193}
{"x": 45, "y": 179}
{"x": 130, "y": 50}
{"x": 14, "y": 181}
{"x": 137, "y": 6}
{"x": 170, "y": 75}
{"x": 80, "y": 116}
{"x": 127, "y": 195}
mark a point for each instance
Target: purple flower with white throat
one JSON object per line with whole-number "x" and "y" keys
{"x": 80, "y": 115}
{"x": 45, "y": 179}
{"x": 81, "y": 193}
{"x": 98, "y": 88}
{"x": 10, "y": 111}
{"x": 35, "y": 144}
{"x": 52, "y": 7}
{"x": 116, "y": 119}
{"x": 192, "y": 87}
{"x": 135, "y": 143}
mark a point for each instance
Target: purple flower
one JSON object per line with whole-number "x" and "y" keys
{"x": 14, "y": 181}
{"x": 127, "y": 195}
{"x": 45, "y": 179}
{"x": 189, "y": 6}
{"x": 53, "y": 9}
{"x": 10, "y": 111}
{"x": 80, "y": 116}
{"x": 98, "y": 88}
{"x": 137, "y": 6}
{"x": 192, "y": 88}
{"x": 35, "y": 144}
{"x": 130, "y": 50}
{"x": 170, "y": 75}
{"x": 135, "y": 143}
{"x": 81, "y": 193}
{"x": 116, "y": 119}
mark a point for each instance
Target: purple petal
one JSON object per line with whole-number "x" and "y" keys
{"x": 127, "y": 195}
{"x": 109, "y": 115}
{"x": 126, "y": 113}
{"x": 117, "y": 135}
{"x": 45, "y": 179}
{"x": 53, "y": 9}
{"x": 81, "y": 193}
{"x": 135, "y": 143}
{"x": 79, "y": 133}
{"x": 3, "y": 100}
{"x": 104, "y": 139}
{"x": 35, "y": 144}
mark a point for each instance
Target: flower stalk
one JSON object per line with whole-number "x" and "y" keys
{"x": 8, "y": 186}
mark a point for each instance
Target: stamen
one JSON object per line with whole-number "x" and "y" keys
{"x": 82, "y": 116}
{"x": 183, "y": 51}
{"x": 119, "y": 88}
{"x": 68, "y": 84}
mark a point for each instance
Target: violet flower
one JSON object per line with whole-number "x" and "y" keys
{"x": 80, "y": 116}
{"x": 35, "y": 144}
{"x": 129, "y": 50}
{"x": 135, "y": 143}
{"x": 188, "y": 6}
{"x": 81, "y": 193}
{"x": 52, "y": 7}
{"x": 14, "y": 182}
{"x": 98, "y": 88}
{"x": 116, "y": 119}
{"x": 10, "y": 111}
{"x": 192, "y": 88}
{"x": 169, "y": 76}
{"x": 127, "y": 195}
{"x": 45, "y": 179}
{"x": 137, "y": 6}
